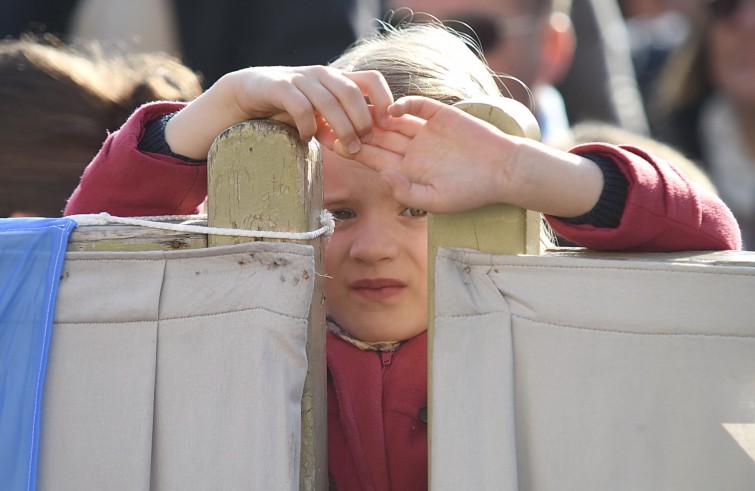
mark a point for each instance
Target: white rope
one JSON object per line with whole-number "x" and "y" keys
{"x": 326, "y": 220}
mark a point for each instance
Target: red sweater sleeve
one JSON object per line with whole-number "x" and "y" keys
{"x": 125, "y": 181}
{"x": 664, "y": 211}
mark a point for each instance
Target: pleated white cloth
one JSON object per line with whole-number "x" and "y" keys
{"x": 178, "y": 370}
{"x": 589, "y": 374}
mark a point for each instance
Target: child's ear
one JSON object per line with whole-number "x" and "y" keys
{"x": 558, "y": 47}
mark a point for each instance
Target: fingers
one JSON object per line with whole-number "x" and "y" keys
{"x": 385, "y": 148}
{"x": 300, "y": 97}
{"x": 421, "y": 107}
{"x": 394, "y": 137}
{"x": 400, "y": 187}
{"x": 386, "y": 163}
{"x": 299, "y": 112}
{"x": 413, "y": 195}
{"x": 376, "y": 89}
{"x": 374, "y": 157}
{"x": 315, "y": 99}
{"x": 339, "y": 97}
{"x": 340, "y": 103}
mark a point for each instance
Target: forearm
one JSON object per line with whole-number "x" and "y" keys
{"x": 191, "y": 131}
{"x": 553, "y": 182}
{"x": 663, "y": 210}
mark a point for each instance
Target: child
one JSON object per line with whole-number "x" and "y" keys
{"x": 430, "y": 157}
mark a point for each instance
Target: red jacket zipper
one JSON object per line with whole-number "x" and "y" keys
{"x": 386, "y": 357}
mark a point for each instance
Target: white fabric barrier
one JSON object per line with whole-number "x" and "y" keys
{"x": 178, "y": 370}
{"x": 590, "y": 374}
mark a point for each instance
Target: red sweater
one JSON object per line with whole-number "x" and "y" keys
{"x": 377, "y": 416}
{"x": 663, "y": 211}
{"x": 377, "y": 436}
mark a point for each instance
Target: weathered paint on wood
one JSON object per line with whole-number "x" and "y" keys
{"x": 132, "y": 238}
{"x": 281, "y": 200}
{"x": 261, "y": 176}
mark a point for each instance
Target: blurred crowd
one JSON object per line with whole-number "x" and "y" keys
{"x": 676, "y": 76}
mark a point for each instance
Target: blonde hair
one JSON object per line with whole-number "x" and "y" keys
{"x": 426, "y": 59}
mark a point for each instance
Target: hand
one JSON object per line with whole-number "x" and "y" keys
{"x": 440, "y": 159}
{"x": 319, "y": 101}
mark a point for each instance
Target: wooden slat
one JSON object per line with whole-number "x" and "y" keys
{"x": 703, "y": 258}
{"x": 131, "y": 238}
{"x": 497, "y": 229}
{"x": 282, "y": 200}
{"x": 261, "y": 176}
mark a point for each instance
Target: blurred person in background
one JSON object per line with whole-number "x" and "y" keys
{"x": 212, "y": 37}
{"x": 601, "y": 84}
{"x": 57, "y": 104}
{"x": 704, "y": 104}
{"x": 657, "y": 28}
{"x": 535, "y": 42}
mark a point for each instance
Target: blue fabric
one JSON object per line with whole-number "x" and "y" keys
{"x": 31, "y": 258}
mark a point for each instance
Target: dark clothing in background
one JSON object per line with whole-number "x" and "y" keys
{"x": 17, "y": 16}
{"x": 220, "y": 36}
{"x": 601, "y": 84}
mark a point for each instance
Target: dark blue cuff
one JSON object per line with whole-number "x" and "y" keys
{"x": 153, "y": 140}
{"x": 609, "y": 209}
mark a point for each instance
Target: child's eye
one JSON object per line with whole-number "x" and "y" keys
{"x": 342, "y": 214}
{"x": 413, "y": 212}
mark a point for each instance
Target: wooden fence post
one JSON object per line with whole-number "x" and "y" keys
{"x": 497, "y": 229}
{"x": 261, "y": 176}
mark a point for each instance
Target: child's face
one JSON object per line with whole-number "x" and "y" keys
{"x": 377, "y": 258}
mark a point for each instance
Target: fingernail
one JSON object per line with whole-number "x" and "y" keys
{"x": 353, "y": 147}
{"x": 385, "y": 121}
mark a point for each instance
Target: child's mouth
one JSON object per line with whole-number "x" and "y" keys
{"x": 377, "y": 289}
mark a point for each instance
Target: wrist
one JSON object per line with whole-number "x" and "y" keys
{"x": 153, "y": 140}
{"x": 515, "y": 176}
{"x": 192, "y": 130}
{"x": 544, "y": 179}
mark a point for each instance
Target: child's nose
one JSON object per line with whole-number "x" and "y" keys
{"x": 376, "y": 240}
